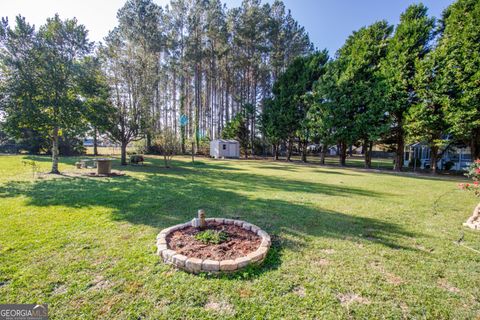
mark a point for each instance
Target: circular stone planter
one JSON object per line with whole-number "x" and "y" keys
{"x": 196, "y": 265}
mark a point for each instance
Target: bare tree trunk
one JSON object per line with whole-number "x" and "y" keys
{"x": 148, "y": 142}
{"x": 95, "y": 142}
{"x": 124, "y": 153}
{"x": 304, "y": 151}
{"x": 475, "y": 145}
{"x": 55, "y": 151}
{"x": 165, "y": 161}
{"x": 343, "y": 154}
{"x": 323, "y": 154}
{"x": 368, "y": 146}
{"x": 400, "y": 147}
{"x": 433, "y": 159}
{"x": 289, "y": 150}
{"x": 276, "y": 148}
{"x": 193, "y": 152}
{"x": 174, "y": 97}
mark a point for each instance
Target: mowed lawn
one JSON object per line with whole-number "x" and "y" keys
{"x": 346, "y": 243}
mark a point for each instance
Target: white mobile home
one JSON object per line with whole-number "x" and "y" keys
{"x": 220, "y": 148}
{"x": 417, "y": 156}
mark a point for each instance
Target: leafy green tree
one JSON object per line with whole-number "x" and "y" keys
{"x": 139, "y": 25}
{"x": 426, "y": 120}
{"x": 127, "y": 119}
{"x": 458, "y": 53}
{"x": 320, "y": 119}
{"x": 410, "y": 43}
{"x": 169, "y": 145}
{"x": 42, "y": 71}
{"x": 96, "y": 98}
{"x": 237, "y": 129}
{"x": 348, "y": 96}
{"x": 363, "y": 57}
{"x": 271, "y": 125}
{"x": 290, "y": 99}
{"x": 335, "y": 114}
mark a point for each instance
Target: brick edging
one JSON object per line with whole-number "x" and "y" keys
{"x": 196, "y": 265}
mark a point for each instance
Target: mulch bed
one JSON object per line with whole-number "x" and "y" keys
{"x": 240, "y": 243}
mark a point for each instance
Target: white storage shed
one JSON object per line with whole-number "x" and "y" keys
{"x": 220, "y": 148}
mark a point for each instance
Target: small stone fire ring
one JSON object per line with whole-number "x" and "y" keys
{"x": 207, "y": 264}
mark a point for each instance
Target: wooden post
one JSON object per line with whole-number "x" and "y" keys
{"x": 201, "y": 218}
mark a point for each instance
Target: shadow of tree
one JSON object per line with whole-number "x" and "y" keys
{"x": 162, "y": 197}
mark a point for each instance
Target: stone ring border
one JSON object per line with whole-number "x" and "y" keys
{"x": 196, "y": 265}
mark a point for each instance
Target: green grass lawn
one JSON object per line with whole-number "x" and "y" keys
{"x": 346, "y": 243}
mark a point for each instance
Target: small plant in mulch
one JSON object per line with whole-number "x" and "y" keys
{"x": 212, "y": 236}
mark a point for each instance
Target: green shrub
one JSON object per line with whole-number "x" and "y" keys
{"x": 211, "y": 236}
{"x": 136, "y": 159}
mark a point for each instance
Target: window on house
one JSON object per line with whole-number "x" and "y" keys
{"x": 224, "y": 147}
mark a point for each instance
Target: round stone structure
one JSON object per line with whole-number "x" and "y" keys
{"x": 196, "y": 265}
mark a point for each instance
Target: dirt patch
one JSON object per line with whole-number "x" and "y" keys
{"x": 60, "y": 289}
{"x": 99, "y": 283}
{"x": 220, "y": 306}
{"x": 389, "y": 277}
{"x": 299, "y": 291}
{"x": 348, "y": 298}
{"x": 240, "y": 242}
{"x": 245, "y": 292}
{"x": 321, "y": 262}
{"x": 443, "y": 283}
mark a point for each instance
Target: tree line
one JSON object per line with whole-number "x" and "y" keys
{"x": 193, "y": 60}
{"x": 195, "y": 70}
{"x": 417, "y": 82}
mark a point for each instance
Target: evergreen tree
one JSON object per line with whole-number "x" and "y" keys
{"x": 410, "y": 43}
{"x": 458, "y": 53}
{"x": 426, "y": 120}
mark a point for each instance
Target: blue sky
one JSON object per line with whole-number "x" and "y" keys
{"x": 329, "y": 22}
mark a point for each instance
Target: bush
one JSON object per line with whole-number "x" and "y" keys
{"x": 473, "y": 172}
{"x": 168, "y": 145}
{"x": 136, "y": 159}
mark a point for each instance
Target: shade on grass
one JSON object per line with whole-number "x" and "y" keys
{"x": 346, "y": 242}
